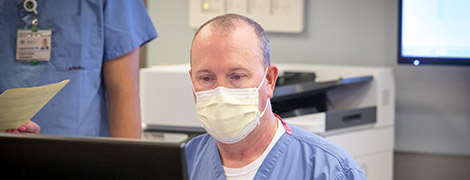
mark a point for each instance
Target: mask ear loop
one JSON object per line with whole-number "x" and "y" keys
{"x": 266, "y": 106}
{"x": 264, "y": 77}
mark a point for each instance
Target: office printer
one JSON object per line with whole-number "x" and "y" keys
{"x": 305, "y": 102}
{"x": 349, "y": 105}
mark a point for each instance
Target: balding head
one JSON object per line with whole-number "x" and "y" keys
{"x": 229, "y": 23}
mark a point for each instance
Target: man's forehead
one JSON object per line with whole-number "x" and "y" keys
{"x": 240, "y": 43}
{"x": 237, "y": 26}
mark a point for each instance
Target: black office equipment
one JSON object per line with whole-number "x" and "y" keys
{"x": 37, "y": 157}
{"x": 301, "y": 96}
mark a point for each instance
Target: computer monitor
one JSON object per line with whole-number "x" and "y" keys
{"x": 51, "y": 157}
{"x": 434, "y": 32}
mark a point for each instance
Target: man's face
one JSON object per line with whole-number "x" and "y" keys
{"x": 231, "y": 60}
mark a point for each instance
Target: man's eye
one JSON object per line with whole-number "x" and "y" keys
{"x": 206, "y": 78}
{"x": 237, "y": 77}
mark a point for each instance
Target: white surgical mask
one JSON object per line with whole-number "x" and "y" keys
{"x": 229, "y": 115}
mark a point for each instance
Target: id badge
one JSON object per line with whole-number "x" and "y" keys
{"x": 33, "y": 46}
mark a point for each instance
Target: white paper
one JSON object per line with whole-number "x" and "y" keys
{"x": 19, "y": 105}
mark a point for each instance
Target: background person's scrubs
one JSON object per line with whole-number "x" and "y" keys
{"x": 85, "y": 34}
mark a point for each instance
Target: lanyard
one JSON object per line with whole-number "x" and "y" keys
{"x": 31, "y": 6}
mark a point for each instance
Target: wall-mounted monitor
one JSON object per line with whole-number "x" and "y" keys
{"x": 434, "y": 32}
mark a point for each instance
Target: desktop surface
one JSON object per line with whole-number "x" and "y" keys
{"x": 34, "y": 157}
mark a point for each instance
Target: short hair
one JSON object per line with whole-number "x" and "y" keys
{"x": 227, "y": 23}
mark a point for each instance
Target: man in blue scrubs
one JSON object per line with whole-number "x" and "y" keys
{"x": 95, "y": 44}
{"x": 233, "y": 80}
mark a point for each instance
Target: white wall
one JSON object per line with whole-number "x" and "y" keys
{"x": 433, "y": 102}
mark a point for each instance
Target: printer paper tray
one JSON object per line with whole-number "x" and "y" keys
{"x": 322, "y": 122}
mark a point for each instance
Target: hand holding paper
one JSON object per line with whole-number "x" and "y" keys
{"x": 30, "y": 127}
{"x": 19, "y": 105}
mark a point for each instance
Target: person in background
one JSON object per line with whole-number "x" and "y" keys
{"x": 95, "y": 44}
{"x": 233, "y": 81}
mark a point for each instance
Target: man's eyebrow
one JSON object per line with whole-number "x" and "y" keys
{"x": 239, "y": 69}
{"x": 231, "y": 70}
{"x": 204, "y": 71}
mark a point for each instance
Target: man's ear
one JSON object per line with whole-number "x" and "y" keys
{"x": 271, "y": 77}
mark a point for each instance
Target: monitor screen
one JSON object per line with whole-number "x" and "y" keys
{"x": 49, "y": 157}
{"x": 434, "y": 32}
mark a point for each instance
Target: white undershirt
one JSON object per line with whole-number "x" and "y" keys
{"x": 249, "y": 171}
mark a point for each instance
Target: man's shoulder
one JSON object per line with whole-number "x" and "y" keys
{"x": 199, "y": 150}
{"x": 322, "y": 149}
{"x": 307, "y": 137}
{"x": 199, "y": 143}
{"x": 314, "y": 140}
{"x": 200, "y": 138}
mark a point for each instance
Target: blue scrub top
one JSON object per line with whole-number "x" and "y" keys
{"x": 85, "y": 34}
{"x": 299, "y": 155}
